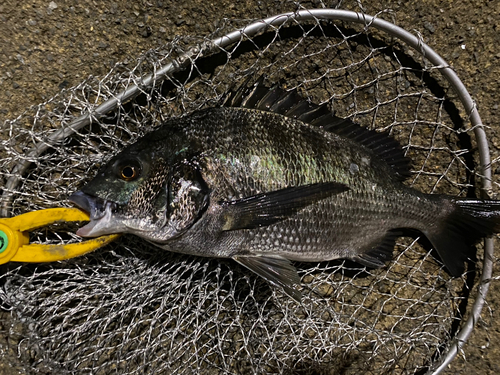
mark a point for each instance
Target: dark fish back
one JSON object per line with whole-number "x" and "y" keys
{"x": 291, "y": 105}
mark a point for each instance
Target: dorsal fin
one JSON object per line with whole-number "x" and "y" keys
{"x": 291, "y": 104}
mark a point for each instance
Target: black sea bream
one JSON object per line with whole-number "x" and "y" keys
{"x": 269, "y": 178}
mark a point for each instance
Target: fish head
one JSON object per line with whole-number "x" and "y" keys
{"x": 108, "y": 197}
{"x": 143, "y": 193}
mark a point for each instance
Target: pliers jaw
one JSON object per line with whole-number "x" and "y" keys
{"x": 14, "y": 237}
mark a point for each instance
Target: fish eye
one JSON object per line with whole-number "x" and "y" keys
{"x": 127, "y": 169}
{"x": 129, "y": 172}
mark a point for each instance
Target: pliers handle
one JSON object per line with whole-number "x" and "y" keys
{"x": 14, "y": 237}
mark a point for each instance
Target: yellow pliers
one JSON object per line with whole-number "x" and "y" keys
{"x": 14, "y": 237}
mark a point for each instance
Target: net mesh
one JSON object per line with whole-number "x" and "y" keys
{"x": 130, "y": 308}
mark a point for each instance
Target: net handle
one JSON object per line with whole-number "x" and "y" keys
{"x": 415, "y": 42}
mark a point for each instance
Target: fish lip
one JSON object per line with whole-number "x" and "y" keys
{"x": 100, "y": 212}
{"x": 96, "y": 207}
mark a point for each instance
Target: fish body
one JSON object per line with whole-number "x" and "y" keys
{"x": 269, "y": 178}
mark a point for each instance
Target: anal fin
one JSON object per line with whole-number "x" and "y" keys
{"x": 381, "y": 253}
{"x": 274, "y": 269}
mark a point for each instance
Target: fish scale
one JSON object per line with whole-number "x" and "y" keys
{"x": 345, "y": 224}
{"x": 253, "y": 182}
{"x": 279, "y": 168}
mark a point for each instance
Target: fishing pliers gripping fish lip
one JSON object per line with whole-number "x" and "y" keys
{"x": 15, "y": 245}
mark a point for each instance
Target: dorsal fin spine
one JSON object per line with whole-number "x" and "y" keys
{"x": 291, "y": 104}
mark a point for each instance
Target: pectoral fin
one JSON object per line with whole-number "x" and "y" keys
{"x": 268, "y": 208}
{"x": 275, "y": 269}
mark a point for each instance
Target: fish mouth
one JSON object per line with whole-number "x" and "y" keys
{"x": 100, "y": 212}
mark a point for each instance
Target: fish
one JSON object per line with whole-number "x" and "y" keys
{"x": 268, "y": 178}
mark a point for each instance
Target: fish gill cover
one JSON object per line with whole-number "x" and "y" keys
{"x": 130, "y": 309}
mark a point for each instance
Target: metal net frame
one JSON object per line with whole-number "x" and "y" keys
{"x": 130, "y": 308}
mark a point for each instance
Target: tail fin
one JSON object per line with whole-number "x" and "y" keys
{"x": 468, "y": 222}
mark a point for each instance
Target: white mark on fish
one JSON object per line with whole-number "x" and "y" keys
{"x": 254, "y": 161}
{"x": 353, "y": 168}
